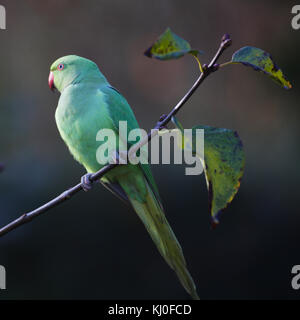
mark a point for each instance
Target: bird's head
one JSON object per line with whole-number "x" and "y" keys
{"x": 72, "y": 69}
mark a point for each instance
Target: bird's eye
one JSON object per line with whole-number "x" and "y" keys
{"x": 60, "y": 67}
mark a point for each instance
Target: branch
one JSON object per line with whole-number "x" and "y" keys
{"x": 207, "y": 70}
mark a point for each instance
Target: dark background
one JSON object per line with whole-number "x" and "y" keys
{"x": 93, "y": 246}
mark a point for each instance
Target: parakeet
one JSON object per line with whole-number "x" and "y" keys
{"x": 87, "y": 104}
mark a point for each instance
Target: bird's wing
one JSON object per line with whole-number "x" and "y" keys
{"x": 119, "y": 110}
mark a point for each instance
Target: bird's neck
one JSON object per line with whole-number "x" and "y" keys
{"x": 90, "y": 80}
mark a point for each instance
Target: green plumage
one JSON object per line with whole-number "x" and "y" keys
{"x": 87, "y": 104}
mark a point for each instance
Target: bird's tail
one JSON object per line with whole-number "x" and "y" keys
{"x": 153, "y": 217}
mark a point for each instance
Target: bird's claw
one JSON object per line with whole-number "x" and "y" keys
{"x": 86, "y": 183}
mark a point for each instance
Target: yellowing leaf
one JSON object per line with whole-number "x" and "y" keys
{"x": 224, "y": 161}
{"x": 169, "y": 46}
{"x": 261, "y": 61}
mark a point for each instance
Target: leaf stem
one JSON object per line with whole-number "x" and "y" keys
{"x": 225, "y": 64}
{"x": 199, "y": 63}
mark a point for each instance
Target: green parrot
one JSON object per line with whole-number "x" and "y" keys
{"x": 87, "y": 104}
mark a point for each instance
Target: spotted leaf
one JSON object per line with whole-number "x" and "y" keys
{"x": 169, "y": 46}
{"x": 261, "y": 61}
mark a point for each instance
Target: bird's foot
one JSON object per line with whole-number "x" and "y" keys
{"x": 86, "y": 183}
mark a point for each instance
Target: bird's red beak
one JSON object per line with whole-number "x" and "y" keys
{"x": 51, "y": 81}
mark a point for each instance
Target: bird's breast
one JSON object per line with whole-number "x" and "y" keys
{"x": 79, "y": 117}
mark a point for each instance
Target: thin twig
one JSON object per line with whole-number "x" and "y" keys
{"x": 207, "y": 70}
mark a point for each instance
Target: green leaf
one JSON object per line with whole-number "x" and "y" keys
{"x": 223, "y": 163}
{"x": 261, "y": 61}
{"x": 169, "y": 46}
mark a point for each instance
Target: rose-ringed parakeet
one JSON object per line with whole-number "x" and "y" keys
{"x": 87, "y": 104}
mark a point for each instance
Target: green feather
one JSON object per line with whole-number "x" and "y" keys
{"x": 87, "y": 104}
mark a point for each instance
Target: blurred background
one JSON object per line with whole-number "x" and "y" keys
{"x": 94, "y": 246}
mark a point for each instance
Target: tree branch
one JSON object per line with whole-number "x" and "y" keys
{"x": 207, "y": 70}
